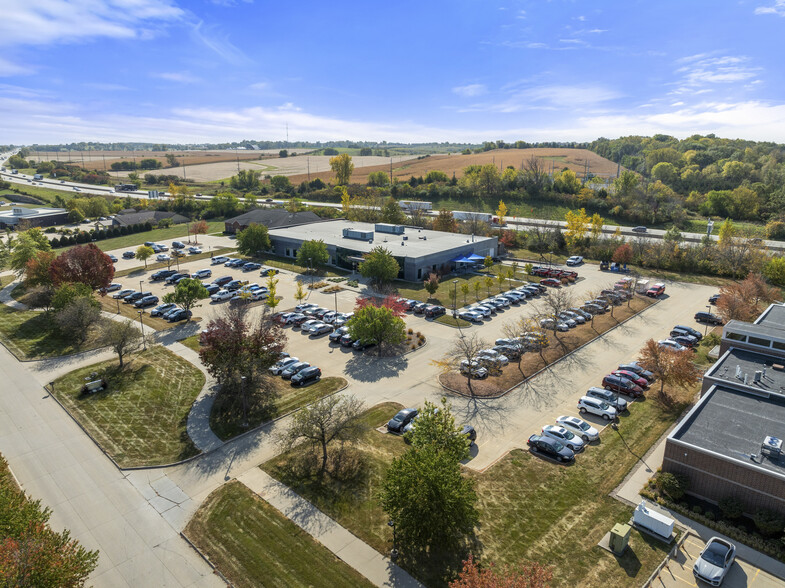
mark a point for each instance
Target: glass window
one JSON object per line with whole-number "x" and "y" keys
{"x": 759, "y": 341}
{"x": 736, "y": 336}
{"x": 778, "y": 345}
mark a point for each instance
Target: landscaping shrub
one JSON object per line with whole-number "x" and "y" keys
{"x": 769, "y": 522}
{"x": 55, "y": 243}
{"x": 672, "y": 485}
{"x": 731, "y": 508}
{"x": 697, "y": 509}
{"x": 709, "y": 515}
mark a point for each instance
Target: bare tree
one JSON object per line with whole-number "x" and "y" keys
{"x": 556, "y": 301}
{"x": 464, "y": 349}
{"x": 331, "y": 419}
{"x": 122, "y": 336}
{"x": 524, "y": 335}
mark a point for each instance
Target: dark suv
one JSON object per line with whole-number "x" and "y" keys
{"x": 707, "y": 317}
{"x": 309, "y": 374}
{"x": 689, "y": 331}
{"x": 162, "y": 275}
{"x": 401, "y": 419}
{"x": 434, "y": 311}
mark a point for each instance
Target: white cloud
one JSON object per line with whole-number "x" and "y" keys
{"x": 703, "y": 70}
{"x": 777, "y": 9}
{"x": 218, "y": 44}
{"x": 521, "y": 15}
{"x": 43, "y": 22}
{"x": 8, "y": 69}
{"x": 556, "y": 97}
{"x": 470, "y": 90}
{"x": 179, "y": 77}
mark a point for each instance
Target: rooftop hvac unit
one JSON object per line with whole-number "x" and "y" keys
{"x": 388, "y": 228}
{"x": 771, "y": 447}
{"x": 357, "y": 234}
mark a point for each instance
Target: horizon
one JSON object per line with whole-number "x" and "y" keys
{"x": 222, "y": 71}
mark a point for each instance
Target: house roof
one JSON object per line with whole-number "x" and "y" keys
{"x": 152, "y": 216}
{"x": 274, "y": 217}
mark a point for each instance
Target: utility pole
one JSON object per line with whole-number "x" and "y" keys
{"x": 309, "y": 169}
{"x": 391, "y": 176}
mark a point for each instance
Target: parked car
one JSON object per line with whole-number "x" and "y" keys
{"x": 293, "y": 369}
{"x": 269, "y": 271}
{"x": 305, "y": 306}
{"x": 223, "y": 280}
{"x": 235, "y": 285}
{"x": 671, "y": 344}
{"x": 474, "y": 369}
{"x": 131, "y": 298}
{"x": 178, "y": 315}
{"x": 504, "y": 302}
{"x": 714, "y": 561}
{"x": 597, "y": 407}
{"x": 579, "y": 427}
{"x": 113, "y": 287}
{"x": 639, "y": 229}
{"x": 686, "y": 340}
{"x": 176, "y": 253}
{"x": 113, "y": 258}
{"x": 162, "y": 274}
{"x": 636, "y": 369}
{"x": 586, "y": 315}
{"x": 482, "y": 310}
{"x": 221, "y": 295}
{"x": 420, "y": 307}
{"x": 575, "y": 260}
{"x": 162, "y": 309}
{"x": 435, "y": 311}
{"x": 320, "y": 329}
{"x": 553, "y": 325}
{"x": 401, "y": 419}
{"x": 146, "y": 301}
{"x": 170, "y": 312}
{"x": 218, "y": 260}
{"x": 123, "y": 293}
{"x": 510, "y": 351}
{"x": 568, "y": 320}
{"x": 306, "y": 376}
{"x": 163, "y": 257}
{"x": 174, "y": 276}
{"x": 551, "y": 448}
{"x": 251, "y": 266}
{"x": 178, "y": 245}
{"x": 129, "y": 254}
{"x": 515, "y": 297}
{"x": 194, "y": 250}
{"x": 690, "y": 331}
{"x": 211, "y": 288}
{"x": 622, "y": 385}
{"x": 335, "y": 336}
{"x": 714, "y": 298}
{"x": 202, "y": 273}
{"x": 553, "y": 282}
{"x": 360, "y": 344}
{"x": 607, "y": 396}
{"x": 593, "y": 309}
{"x": 162, "y": 247}
{"x": 567, "y": 438}
{"x": 280, "y": 365}
{"x": 492, "y": 358}
{"x": 346, "y": 340}
{"x": 632, "y": 377}
{"x": 708, "y": 317}
{"x": 234, "y": 262}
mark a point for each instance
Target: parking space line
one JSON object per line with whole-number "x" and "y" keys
{"x": 757, "y": 571}
{"x": 688, "y": 582}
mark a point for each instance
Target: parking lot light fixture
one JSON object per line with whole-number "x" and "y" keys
{"x": 245, "y": 404}
{"x": 52, "y": 386}
{"x": 455, "y": 299}
{"x": 706, "y": 329}
{"x": 118, "y": 305}
{"x": 141, "y": 323}
{"x": 394, "y": 550}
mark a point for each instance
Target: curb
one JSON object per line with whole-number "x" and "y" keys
{"x": 554, "y": 362}
{"x": 215, "y": 569}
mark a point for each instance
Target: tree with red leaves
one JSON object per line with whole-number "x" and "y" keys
{"x": 524, "y": 575}
{"x": 37, "y": 269}
{"x": 86, "y": 264}
{"x": 198, "y": 228}
{"x": 623, "y": 254}
{"x": 393, "y": 303}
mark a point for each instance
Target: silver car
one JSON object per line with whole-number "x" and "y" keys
{"x": 283, "y": 364}
{"x": 579, "y": 427}
{"x": 714, "y": 561}
{"x": 568, "y": 438}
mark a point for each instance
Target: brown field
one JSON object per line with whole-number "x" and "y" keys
{"x": 575, "y": 159}
{"x": 102, "y": 160}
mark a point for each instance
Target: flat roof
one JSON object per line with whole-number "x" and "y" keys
{"x": 773, "y": 382}
{"x": 773, "y": 316}
{"x": 734, "y": 424}
{"x": 31, "y": 212}
{"x": 420, "y": 242}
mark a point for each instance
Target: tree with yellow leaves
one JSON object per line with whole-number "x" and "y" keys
{"x": 346, "y": 200}
{"x": 501, "y": 212}
{"x": 596, "y": 225}
{"x": 342, "y": 167}
{"x": 577, "y": 226}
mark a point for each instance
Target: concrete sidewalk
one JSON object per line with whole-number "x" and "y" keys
{"x": 356, "y": 553}
{"x": 628, "y": 492}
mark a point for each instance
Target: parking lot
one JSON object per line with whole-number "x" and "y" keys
{"x": 678, "y": 572}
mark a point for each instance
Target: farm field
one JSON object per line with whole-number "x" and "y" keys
{"x": 102, "y": 160}
{"x": 575, "y": 159}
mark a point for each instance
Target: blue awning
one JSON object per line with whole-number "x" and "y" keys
{"x": 475, "y": 257}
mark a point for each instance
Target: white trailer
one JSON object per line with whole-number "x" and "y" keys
{"x": 653, "y": 521}
{"x": 411, "y": 205}
{"x": 463, "y": 215}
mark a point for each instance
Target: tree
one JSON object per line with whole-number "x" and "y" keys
{"x": 187, "y": 293}
{"x": 523, "y": 575}
{"x": 378, "y": 325}
{"x": 122, "y": 336}
{"x": 198, "y": 228}
{"x": 671, "y": 367}
{"x": 67, "y": 293}
{"x": 85, "y": 264}
{"x": 436, "y": 428}
{"x": 556, "y": 301}
{"x": 597, "y": 223}
{"x": 379, "y": 266}
{"x": 281, "y": 184}
{"x": 432, "y": 505}
{"x": 431, "y": 284}
{"x": 774, "y": 270}
{"x": 727, "y": 233}
{"x": 477, "y": 285}
{"x": 38, "y": 269}
{"x": 253, "y": 239}
{"x": 144, "y": 253}
{"x": 488, "y": 284}
{"x": 342, "y": 167}
{"x": 577, "y": 226}
{"x": 623, "y": 254}
{"x": 464, "y": 349}
{"x": 524, "y": 334}
{"x": 739, "y": 300}
{"x": 312, "y": 253}
{"x": 445, "y": 222}
{"x": 77, "y": 317}
{"x": 26, "y": 246}
{"x": 487, "y": 262}
{"x": 465, "y": 290}
{"x": 245, "y": 180}
{"x": 300, "y": 293}
{"x": 332, "y": 419}
{"x": 501, "y": 212}
{"x": 272, "y": 292}
{"x": 378, "y": 178}
{"x": 392, "y": 213}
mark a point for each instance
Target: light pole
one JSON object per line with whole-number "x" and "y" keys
{"x": 118, "y": 305}
{"x": 550, "y": 262}
{"x": 706, "y": 330}
{"x": 141, "y": 323}
{"x": 140, "y": 286}
{"x": 245, "y": 404}
{"x": 310, "y": 269}
{"x": 455, "y": 299}
{"x": 394, "y": 550}
{"x": 336, "y": 301}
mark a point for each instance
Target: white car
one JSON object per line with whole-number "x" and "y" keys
{"x": 579, "y": 427}
{"x": 305, "y": 306}
{"x": 567, "y": 320}
{"x": 306, "y": 326}
{"x": 194, "y": 250}
{"x": 670, "y": 344}
{"x": 219, "y": 259}
{"x": 475, "y": 369}
{"x": 503, "y": 301}
{"x": 483, "y": 310}
{"x": 221, "y": 295}
{"x": 493, "y": 355}
{"x": 319, "y": 329}
{"x": 596, "y": 407}
{"x": 163, "y": 257}
{"x": 202, "y": 273}
{"x": 283, "y": 364}
{"x": 259, "y": 294}
{"x": 469, "y": 315}
{"x": 575, "y": 260}
{"x": 568, "y": 438}
{"x": 578, "y": 318}
{"x": 714, "y": 561}
{"x": 124, "y": 293}
{"x": 553, "y": 325}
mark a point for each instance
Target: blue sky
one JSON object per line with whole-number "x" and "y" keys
{"x": 465, "y": 70}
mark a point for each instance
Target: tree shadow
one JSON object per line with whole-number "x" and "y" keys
{"x": 364, "y": 368}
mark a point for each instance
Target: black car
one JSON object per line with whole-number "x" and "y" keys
{"x": 269, "y": 271}
{"x": 400, "y": 420}
{"x": 420, "y": 307}
{"x": 707, "y": 317}
{"x": 113, "y": 258}
{"x": 636, "y": 369}
{"x": 251, "y": 265}
{"x": 178, "y": 245}
{"x": 136, "y": 296}
{"x": 234, "y": 285}
{"x": 346, "y": 340}
{"x": 212, "y": 288}
{"x": 713, "y": 298}
{"x": 361, "y": 345}
{"x": 470, "y": 432}
{"x": 335, "y": 336}
{"x": 683, "y": 338}
{"x": 409, "y": 304}
{"x": 235, "y": 263}
{"x": 222, "y": 280}
{"x": 309, "y": 374}
{"x": 146, "y": 301}
{"x": 551, "y": 447}
{"x": 178, "y": 315}
{"x": 434, "y": 311}
{"x": 689, "y": 331}
{"x": 176, "y": 276}
{"x": 129, "y": 255}
{"x": 162, "y": 275}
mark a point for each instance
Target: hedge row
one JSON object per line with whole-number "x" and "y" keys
{"x": 93, "y": 235}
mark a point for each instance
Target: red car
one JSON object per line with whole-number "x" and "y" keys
{"x": 633, "y": 377}
{"x": 550, "y": 282}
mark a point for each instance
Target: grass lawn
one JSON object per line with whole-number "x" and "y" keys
{"x": 5, "y": 280}
{"x": 133, "y": 240}
{"x": 529, "y": 508}
{"x": 30, "y": 334}
{"x": 227, "y": 414}
{"x": 192, "y": 342}
{"x": 140, "y": 418}
{"x": 559, "y": 345}
{"x": 451, "y": 321}
{"x": 254, "y": 545}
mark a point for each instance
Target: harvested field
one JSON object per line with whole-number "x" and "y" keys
{"x": 560, "y": 344}
{"x": 101, "y": 160}
{"x": 575, "y": 159}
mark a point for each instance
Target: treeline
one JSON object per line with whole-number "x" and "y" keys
{"x": 80, "y": 237}
{"x": 732, "y": 178}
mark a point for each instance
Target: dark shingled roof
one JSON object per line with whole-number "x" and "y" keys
{"x": 273, "y": 218}
{"x": 152, "y": 216}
